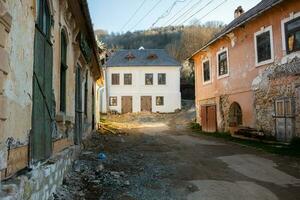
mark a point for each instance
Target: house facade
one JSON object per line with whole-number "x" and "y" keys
{"x": 145, "y": 80}
{"x": 248, "y": 74}
{"x": 49, "y": 75}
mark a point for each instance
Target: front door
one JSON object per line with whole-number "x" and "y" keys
{"x": 146, "y": 104}
{"x": 78, "y": 108}
{"x": 209, "y": 118}
{"x": 42, "y": 108}
{"x": 126, "y": 104}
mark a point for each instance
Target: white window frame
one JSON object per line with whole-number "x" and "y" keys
{"x": 264, "y": 30}
{"x": 228, "y": 71}
{"x": 210, "y": 74}
{"x": 110, "y": 97}
{"x": 283, "y": 39}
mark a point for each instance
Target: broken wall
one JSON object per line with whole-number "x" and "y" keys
{"x": 277, "y": 81}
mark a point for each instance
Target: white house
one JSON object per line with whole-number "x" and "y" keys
{"x": 141, "y": 80}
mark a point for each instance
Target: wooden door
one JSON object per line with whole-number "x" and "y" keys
{"x": 146, "y": 104}
{"x": 209, "y": 118}
{"x": 42, "y": 111}
{"x": 78, "y": 108}
{"x": 126, "y": 104}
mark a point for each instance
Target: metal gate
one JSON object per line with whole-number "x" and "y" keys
{"x": 209, "y": 118}
{"x": 78, "y": 108}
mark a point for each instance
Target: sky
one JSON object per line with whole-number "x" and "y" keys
{"x": 120, "y": 16}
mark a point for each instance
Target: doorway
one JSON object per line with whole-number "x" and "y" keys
{"x": 78, "y": 107}
{"x": 146, "y": 104}
{"x": 126, "y": 104}
{"x": 209, "y": 118}
{"x": 42, "y": 107}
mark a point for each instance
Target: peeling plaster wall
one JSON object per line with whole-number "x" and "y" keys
{"x": 277, "y": 82}
{"x": 242, "y": 68}
{"x": 18, "y": 86}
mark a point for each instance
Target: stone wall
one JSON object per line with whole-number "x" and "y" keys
{"x": 277, "y": 81}
{"x": 43, "y": 180}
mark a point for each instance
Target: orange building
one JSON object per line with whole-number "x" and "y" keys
{"x": 248, "y": 75}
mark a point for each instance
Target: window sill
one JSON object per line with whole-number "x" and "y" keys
{"x": 223, "y": 76}
{"x": 207, "y": 83}
{"x": 264, "y": 62}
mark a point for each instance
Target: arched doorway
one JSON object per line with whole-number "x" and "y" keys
{"x": 235, "y": 115}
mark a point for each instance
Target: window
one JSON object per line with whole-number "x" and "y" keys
{"x": 127, "y": 79}
{"x": 43, "y": 17}
{"x": 113, "y": 101}
{"x": 115, "y": 79}
{"x": 292, "y": 34}
{"x": 283, "y": 108}
{"x": 63, "y": 72}
{"x": 222, "y": 63}
{"x": 206, "y": 71}
{"x": 161, "y": 79}
{"x": 159, "y": 101}
{"x": 149, "y": 79}
{"x": 263, "y": 46}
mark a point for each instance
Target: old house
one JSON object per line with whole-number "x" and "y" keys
{"x": 248, "y": 74}
{"x": 144, "y": 80}
{"x": 49, "y": 75}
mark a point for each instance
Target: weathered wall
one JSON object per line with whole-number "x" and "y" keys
{"x": 42, "y": 181}
{"x": 242, "y": 67}
{"x": 18, "y": 84}
{"x": 278, "y": 81}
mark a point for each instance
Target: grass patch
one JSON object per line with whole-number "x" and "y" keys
{"x": 275, "y": 148}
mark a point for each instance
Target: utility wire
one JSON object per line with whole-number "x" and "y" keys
{"x": 158, "y": 2}
{"x": 136, "y": 11}
{"x": 191, "y": 8}
{"x": 197, "y": 11}
{"x": 167, "y": 12}
{"x": 206, "y": 13}
{"x": 178, "y": 12}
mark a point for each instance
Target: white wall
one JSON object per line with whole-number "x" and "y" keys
{"x": 170, "y": 91}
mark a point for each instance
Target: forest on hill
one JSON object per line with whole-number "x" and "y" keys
{"x": 180, "y": 42}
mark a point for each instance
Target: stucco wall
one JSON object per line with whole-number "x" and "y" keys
{"x": 242, "y": 65}
{"x": 170, "y": 91}
{"x": 18, "y": 85}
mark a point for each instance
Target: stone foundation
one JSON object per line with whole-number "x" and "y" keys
{"x": 43, "y": 180}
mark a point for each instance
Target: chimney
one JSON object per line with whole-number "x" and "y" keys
{"x": 238, "y": 12}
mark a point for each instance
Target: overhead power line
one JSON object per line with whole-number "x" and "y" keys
{"x": 197, "y": 11}
{"x": 191, "y": 8}
{"x": 206, "y": 13}
{"x": 178, "y": 12}
{"x": 167, "y": 12}
{"x": 158, "y": 2}
{"x": 136, "y": 11}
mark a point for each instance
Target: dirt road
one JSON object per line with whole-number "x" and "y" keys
{"x": 163, "y": 160}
